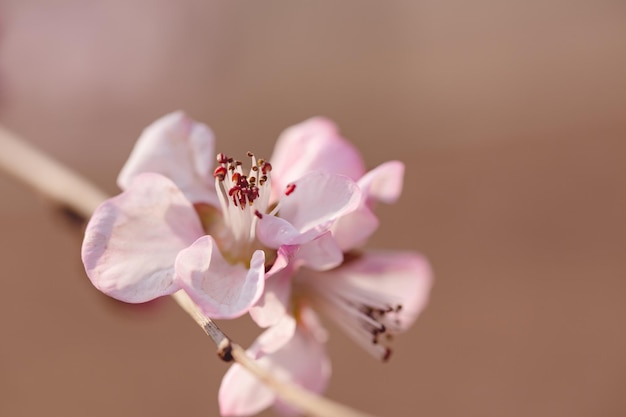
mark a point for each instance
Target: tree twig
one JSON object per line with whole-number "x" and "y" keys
{"x": 75, "y": 194}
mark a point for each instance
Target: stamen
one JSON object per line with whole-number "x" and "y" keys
{"x": 369, "y": 317}
{"x": 290, "y": 189}
{"x": 220, "y": 173}
{"x": 221, "y": 158}
{"x": 244, "y": 200}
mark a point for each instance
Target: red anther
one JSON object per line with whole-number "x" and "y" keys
{"x": 250, "y": 154}
{"x": 221, "y": 158}
{"x": 290, "y": 189}
{"x": 235, "y": 177}
{"x": 220, "y": 172}
{"x": 258, "y": 214}
{"x": 266, "y": 167}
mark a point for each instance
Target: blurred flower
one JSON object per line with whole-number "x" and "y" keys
{"x": 371, "y": 295}
{"x": 214, "y": 233}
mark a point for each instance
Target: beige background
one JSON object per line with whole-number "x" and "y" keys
{"x": 509, "y": 115}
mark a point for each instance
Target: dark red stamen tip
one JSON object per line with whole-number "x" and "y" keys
{"x": 220, "y": 172}
{"x": 258, "y": 214}
{"x": 221, "y": 158}
{"x": 290, "y": 189}
{"x": 266, "y": 167}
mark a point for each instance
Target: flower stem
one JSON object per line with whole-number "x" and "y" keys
{"x": 74, "y": 194}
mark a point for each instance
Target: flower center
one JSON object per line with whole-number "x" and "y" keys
{"x": 243, "y": 200}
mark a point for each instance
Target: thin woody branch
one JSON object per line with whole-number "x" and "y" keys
{"x": 74, "y": 194}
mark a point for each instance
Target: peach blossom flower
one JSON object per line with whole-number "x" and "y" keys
{"x": 180, "y": 224}
{"x": 371, "y": 295}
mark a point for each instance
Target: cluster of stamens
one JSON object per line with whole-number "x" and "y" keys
{"x": 371, "y": 318}
{"x": 244, "y": 199}
{"x": 379, "y": 322}
{"x": 244, "y": 189}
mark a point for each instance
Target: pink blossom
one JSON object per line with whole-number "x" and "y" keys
{"x": 373, "y": 296}
{"x": 294, "y": 351}
{"x": 180, "y": 224}
{"x": 315, "y": 145}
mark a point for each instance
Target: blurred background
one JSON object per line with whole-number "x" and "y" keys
{"x": 510, "y": 116}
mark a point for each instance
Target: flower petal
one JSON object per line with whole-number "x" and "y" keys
{"x": 372, "y": 295}
{"x": 180, "y": 149}
{"x": 132, "y": 240}
{"x": 313, "y": 145}
{"x": 302, "y": 361}
{"x": 242, "y": 394}
{"x": 353, "y": 229}
{"x": 309, "y": 210}
{"x": 320, "y": 254}
{"x": 284, "y": 255}
{"x": 276, "y": 336}
{"x": 272, "y": 305}
{"x": 220, "y": 289}
{"x": 383, "y": 183}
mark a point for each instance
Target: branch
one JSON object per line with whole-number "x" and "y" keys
{"x": 78, "y": 196}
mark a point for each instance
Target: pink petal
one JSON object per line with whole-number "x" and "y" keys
{"x": 272, "y": 305}
{"x": 242, "y": 394}
{"x": 220, "y": 289}
{"x": 301, "y": 361}
{"x": 304, "y": 359}
{"x": 373, "y": 295}
{"x": 132, "y": 240}
{"x": 284, "y": 255}
{"x": 274, "y": 232}
{"x": 180, "y": 149}
{"x": 383, "y": 183}
{"x": 320, "y": 254}
{"x": 276, "y": 336}
{"x": 313, "y": 145}
{"x": 404, "y": 278}
{"x": 353, "y": 229}
{"x": 317, "y": 200}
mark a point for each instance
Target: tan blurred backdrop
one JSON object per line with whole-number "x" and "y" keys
{"x": 510, "y": 116}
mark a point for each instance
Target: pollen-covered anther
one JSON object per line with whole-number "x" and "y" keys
{"x": 290, "y": 189}
{"x": 240, "y": 189}
{"x": 221, "y": 158}
{"x": 220, "y": 173}
{"x": 380, "y": 322}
